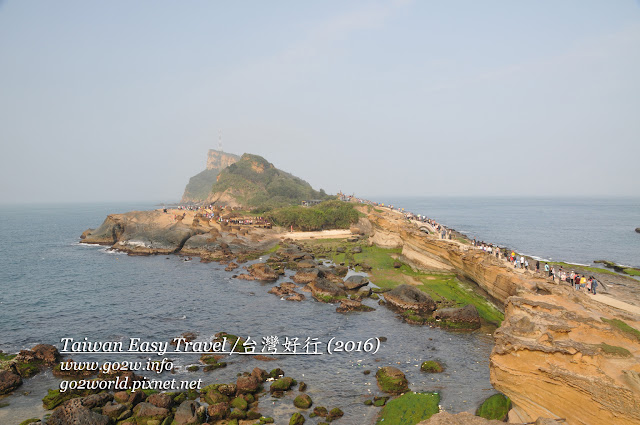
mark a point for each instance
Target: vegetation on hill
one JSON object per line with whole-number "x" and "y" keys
{"x": 199, "y": 187}
{"x": 256, "y": 183}
{"x": 326, "y": 215}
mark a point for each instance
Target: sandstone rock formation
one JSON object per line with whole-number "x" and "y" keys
{"x": 559, "y": 353}
{"x": 157, "y": 232}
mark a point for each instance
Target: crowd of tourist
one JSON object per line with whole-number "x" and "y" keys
{"x": 222, "y": 215}
{"x": 518, "y": 261}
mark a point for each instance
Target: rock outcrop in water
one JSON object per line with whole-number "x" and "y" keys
{"x": 157, "y": 232}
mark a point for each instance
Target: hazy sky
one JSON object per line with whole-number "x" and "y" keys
{"x": 120, "y": 100}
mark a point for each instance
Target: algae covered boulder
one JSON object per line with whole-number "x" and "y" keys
{"x": 296, "y": 419}
{"x": 391, "y": 380}
{"x": 302, "y": 401}
{"x": 283, "y": 384}
{"x": 495, "y": 407}
{"x": 431, "y": 366}
{"x": 410, "y": 408}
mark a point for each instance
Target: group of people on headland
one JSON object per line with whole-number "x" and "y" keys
{"x": 518, "y": 261}
{"x": 220, "y": 215}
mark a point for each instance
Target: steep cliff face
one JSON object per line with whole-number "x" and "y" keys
{"x": 429, "y": 253}
{"x": 559, "y": 353}
{"x": 199, "y": 187}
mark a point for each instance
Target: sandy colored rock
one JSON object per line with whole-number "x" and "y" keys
{"x": 464, "y": 418}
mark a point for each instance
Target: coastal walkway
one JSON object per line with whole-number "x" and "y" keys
{"x": 613, "y": 302}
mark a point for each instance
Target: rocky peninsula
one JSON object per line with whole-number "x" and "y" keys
{"x": 559, "y": 353}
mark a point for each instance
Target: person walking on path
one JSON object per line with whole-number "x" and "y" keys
{"x": 526, "y": 264}
{"x": 537, "y": 265}
{"x": 546, "y": 269}
{"x": 594, "y": 284}
{"x": 522, "y": 261}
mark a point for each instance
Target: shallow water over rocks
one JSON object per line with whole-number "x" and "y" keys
{"x": 53, "y": 287}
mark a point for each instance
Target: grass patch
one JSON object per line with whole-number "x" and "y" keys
{"x": 614, "y": 350}
{"x": 633, "y": 333}
{"x": 632, "y": 272}
{"x": 409, "y": 409}
{"x": 495, "y": 407}
{"x": 440, "y": 286}
{"x": 4, "y": 357}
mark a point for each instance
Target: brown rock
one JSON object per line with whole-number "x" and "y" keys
{"x": 467, "y": 316}
{"x": 464, "y": 418}
{"x": 407, "y": 297}
{"x": 218, "y": 411}
{"x": 347, "y": 305}
{"x": 355, "y": 282}
{"x": 72, "y": 412}
{"x": 247, "y": 384}
{"x": 9, "y": 381}
{"x": 307, "y": 275}
{"x": 261, "y": 271}
{"x": 160, "y": 400}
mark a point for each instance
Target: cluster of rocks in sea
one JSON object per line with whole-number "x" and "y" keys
{"x": 218, "y": 403}
{"x": 328, "y": 283}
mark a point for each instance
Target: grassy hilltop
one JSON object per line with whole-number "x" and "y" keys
{"x": 256, "y": 184}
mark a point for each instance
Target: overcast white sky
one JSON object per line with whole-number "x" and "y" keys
{"x": 120, "y": 100}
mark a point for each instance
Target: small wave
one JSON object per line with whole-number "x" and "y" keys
{"x": 86, "y": 244}
{"x": 112, "y": 251}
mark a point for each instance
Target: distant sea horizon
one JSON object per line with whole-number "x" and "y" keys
{"x": 576, "y": 230}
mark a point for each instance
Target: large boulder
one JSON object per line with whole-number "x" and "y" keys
{"x": 162, "y": 400}
{"x": 9, "y": 381}
{"x": 45, "y": 354}
{"x": 189, "y": 413}
{"x": 391, "y": 380}
{"x": 407, "y": 297}
{"x": 307, "y": 275}
{"x": 464, "y": 418}
{"x": 218, "y": 411}
{"x": 148, "y": 411}
{"x": 73, "y": 412}
{"x": 326, "y": 291}
{"x": 355, "y": 282}
{"x": 247, "y": 384}
{"x": 263, "y": 272}
{"x": 466, "y": 317}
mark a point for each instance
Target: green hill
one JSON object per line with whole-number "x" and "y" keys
{"x": 253, "y": 182}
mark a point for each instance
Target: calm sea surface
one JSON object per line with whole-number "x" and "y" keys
{"x": 578, "y": 230}
{"x": 52, "y": 287}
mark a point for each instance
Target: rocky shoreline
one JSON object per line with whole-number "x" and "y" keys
{"x": 560, "y": 332}
{"x": 559, "y": 353}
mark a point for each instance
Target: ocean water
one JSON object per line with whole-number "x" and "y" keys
{"x": 52, "y": 287}
{"x": 577, "y": 230}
